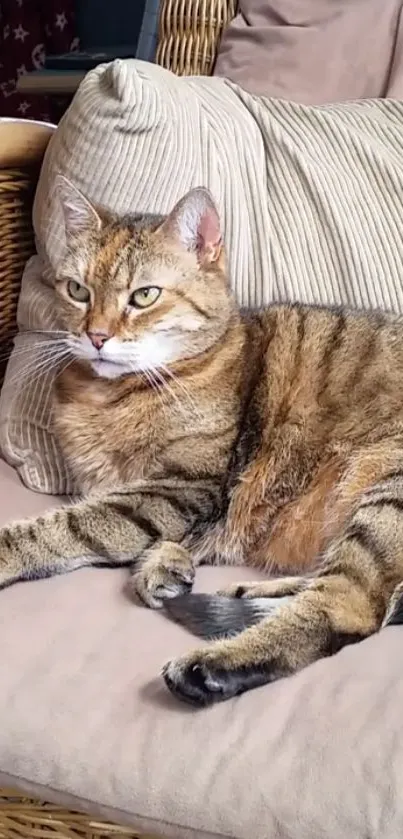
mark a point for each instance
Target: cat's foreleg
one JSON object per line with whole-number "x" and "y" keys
{"x": 89, "y": 532}
{"x": 114, "y": 529}
{"x": 165, "y": 571}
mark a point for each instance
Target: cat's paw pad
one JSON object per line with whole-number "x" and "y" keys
{"x": 209, "y": 675}
{"x": 196, "y": 681}
{"x": 167, "y": 571}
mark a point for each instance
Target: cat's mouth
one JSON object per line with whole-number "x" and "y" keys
{"x": 109, "y": 369}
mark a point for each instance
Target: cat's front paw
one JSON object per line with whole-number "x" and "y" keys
{"x": 166, "y": 571}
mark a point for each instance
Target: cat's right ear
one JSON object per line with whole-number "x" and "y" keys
{"x": 78, "y": 214}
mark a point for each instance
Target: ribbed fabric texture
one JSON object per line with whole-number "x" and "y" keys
{"x": 26, "y": 437}
{"x": 311, "y": 200}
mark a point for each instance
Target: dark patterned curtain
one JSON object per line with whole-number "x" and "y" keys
{"x": 30, "y": 29}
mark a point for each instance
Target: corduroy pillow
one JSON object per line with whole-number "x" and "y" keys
{"x": 310, "y": 200}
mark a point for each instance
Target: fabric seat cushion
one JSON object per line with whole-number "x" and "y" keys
{"x": 88, "y": 723}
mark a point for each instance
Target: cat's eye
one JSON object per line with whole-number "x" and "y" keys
{"x": 142, "y": 298}
{"x": 78, "y": 292}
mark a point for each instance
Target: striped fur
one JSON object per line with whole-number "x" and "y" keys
{"x": 310, "y": 197}
{"x": 275, "y": 439}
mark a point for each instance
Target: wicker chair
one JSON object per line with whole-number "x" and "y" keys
{"x": 189, "y": 33}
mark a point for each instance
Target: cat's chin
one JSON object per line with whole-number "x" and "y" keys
{"x": 109, "y": 369}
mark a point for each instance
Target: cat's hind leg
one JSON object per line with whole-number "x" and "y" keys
{"x": 275, "y": 587}
{"x": 343, "y": 603}
{"x": 333, "y": 612}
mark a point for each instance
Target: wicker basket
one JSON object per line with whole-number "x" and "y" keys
{"x": 16, "y": 246}
{"x": 23, "y": 818}
{"x": 22, "y": 146}
{"x": 189, "y": 33}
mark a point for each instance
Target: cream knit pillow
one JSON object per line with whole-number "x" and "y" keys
{"x": 26, "y": 437}
{"x": 310, "y": 197}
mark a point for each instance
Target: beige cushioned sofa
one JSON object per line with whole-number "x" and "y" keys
{"x": 87, "y": 725}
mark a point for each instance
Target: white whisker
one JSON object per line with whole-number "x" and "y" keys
{"x": 36, "y": 371}
{"x": 178, "y": 403}
{"x": 195, "y": 409}
{"x": 40, "y": 374}
{"x": 165, "y": 389}
{"x": 155, "y": 388}
{"x": 30, "y": 367}
{"x": 47, "y": 362}
{"x": 21, "y": 350}
{"x": 45, "y": 332}
{"x": 65, "y": 366}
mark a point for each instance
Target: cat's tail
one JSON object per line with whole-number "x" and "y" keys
{"x": 216, "y": 616}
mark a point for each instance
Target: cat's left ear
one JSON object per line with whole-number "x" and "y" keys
{"x": 195, "y": 224}
{"x": 79, "y": 215}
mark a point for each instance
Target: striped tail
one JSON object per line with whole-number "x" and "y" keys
{"x": 214, "y": 616}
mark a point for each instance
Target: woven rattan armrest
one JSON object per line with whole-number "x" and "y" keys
{"x": 23, "y": 142}
{"x": 22, "y": 146}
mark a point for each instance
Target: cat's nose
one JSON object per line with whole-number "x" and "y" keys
{"x": 98, "y": 339}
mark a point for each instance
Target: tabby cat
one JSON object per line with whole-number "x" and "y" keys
{"x": 201, "y": 434}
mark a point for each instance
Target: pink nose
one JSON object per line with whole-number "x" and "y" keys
{"x": 98, "y": 339}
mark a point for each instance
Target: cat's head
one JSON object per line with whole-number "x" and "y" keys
{"x": 142, "y": 293}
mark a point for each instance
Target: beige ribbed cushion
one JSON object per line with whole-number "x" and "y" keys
{"x": 26, "y": 436}
{"x": 310, "y": 197}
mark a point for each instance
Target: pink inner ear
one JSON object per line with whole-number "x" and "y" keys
{"x": 209, "y": 233}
